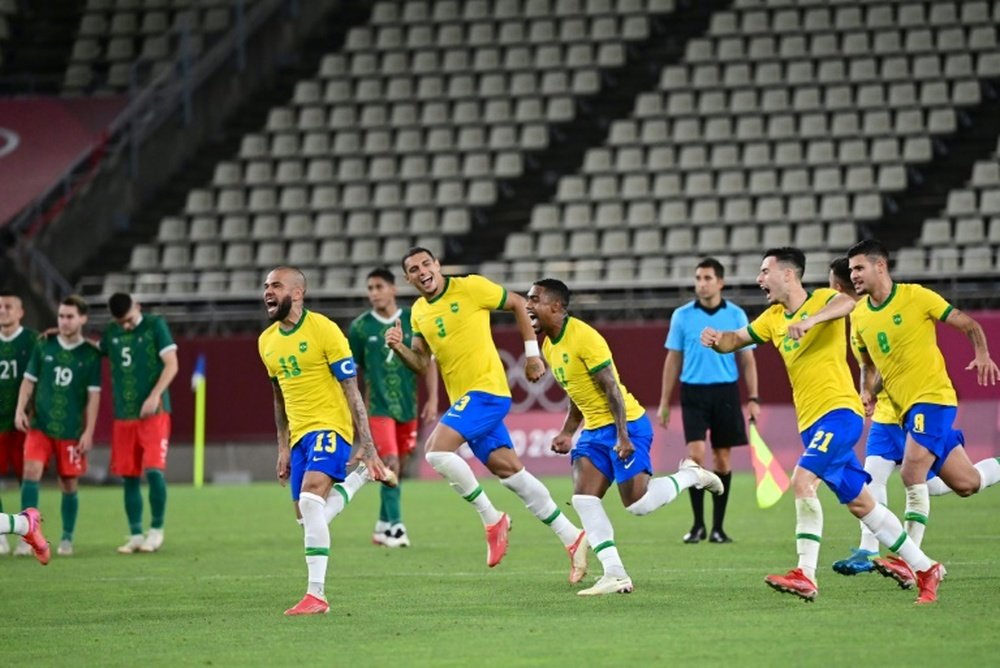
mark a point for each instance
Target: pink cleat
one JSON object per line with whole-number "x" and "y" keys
{"x": 927, "y": 583}
{"x": 496, "y": 540}
{"x": 35, "y": 538}
{"x": 578, "y": 558}
{"x": 897, "y": 569}
{"x": 794, "y": 582}
{"x": 309, "y": 605}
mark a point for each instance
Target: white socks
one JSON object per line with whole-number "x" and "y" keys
{"x": 936, "y": 487}
{"x": 317, "y": 540}
{"x": 600, "y": 534}
{"x": 918, "y": 509}
{"x": 879, "y": 469}
{"x": 461, "y": 478}
{"x": 538, "y": 500}
{"x": 16, "y": 524}
{"x": 342, "y": 493}
{"x": 889, "y": 531}
{"x": 989, "y": 472}
{"x": 808, "y": 534}
{"x": 661, "y": 491}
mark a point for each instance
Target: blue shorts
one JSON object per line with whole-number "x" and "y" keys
{"x": 830, "y": 453}
{"x": 323, "y": 451}
{"x": 598, "y": 445}
{"x": 930, "y": 426}
{"x": 886, "y": 441}
{"x": 478, "y": 417}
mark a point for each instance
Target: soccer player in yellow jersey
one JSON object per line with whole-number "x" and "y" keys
{"x": 451, "y": 321}
{"x": 317, "y": 409}
{"x": 614, "y": 443}
{"x": 829, "y": 419}
{"x": 883, "y": 451}
{"x": 894, "y": 327}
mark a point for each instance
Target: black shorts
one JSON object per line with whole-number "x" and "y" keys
{"x": 715, "y": 408}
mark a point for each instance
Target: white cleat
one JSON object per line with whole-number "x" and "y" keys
{"x": 380, "y": 533}
{"x": 153, "y": 542}
{"x": 4, "y": 545}
{"x": 65, "y": 548}
{"x": 133, "y": 544}
{"x": 608, "y": 585}
{"x": 706, "y": 479}
{"x": 578, "y": 558}
{"x": 23, "y": 549}
{"x": 397, "y": 537}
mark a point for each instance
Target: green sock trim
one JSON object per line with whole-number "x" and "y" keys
{"x": 808, "y": 536}
{"x": 605, "y": 544}
{"x": 677, "y": 488}
{"x": 317, "y": 552}
{"x": 552, "y": 518}
{"x": 343, "y": 493}
{"x": 476, "y": 492}
{"x": 899, "y": 542}
{"x": 915, "y": 517}
{"x": 11, "y": 518}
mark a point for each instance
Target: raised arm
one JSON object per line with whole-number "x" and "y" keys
{"x": 283, "y": 468}
{"x": 748, "y": 368}
{"x": 417, "y": 358}
{"x": 671, "y": 373}
{"x": 838, "y": 307}
{"x": 616, "y": 403}
{"x": 534, "y": 368}
{"x": 986, "y": 369}
{"x": 725, "y": 342}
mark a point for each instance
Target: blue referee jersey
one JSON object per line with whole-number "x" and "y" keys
{"x": 704, "y": 366}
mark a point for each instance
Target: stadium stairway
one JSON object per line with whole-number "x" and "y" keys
{"x": 42, "y": 37}
{"x": 665, "y": 45}
{"x": 954, "y": 157}
{"x": 250, "y": 117}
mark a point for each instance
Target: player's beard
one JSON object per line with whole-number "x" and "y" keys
{"x": 284, "y": 308}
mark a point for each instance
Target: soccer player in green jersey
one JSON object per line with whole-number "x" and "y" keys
{"x": 143, "y": 359}
{"x": 451, "y": 321}
{"x": 16, "y": 344}
{"x": 57, "y": 407}
{"x": 391, "y": 392}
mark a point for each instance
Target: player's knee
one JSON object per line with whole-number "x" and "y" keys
{"x": 640, "y": 507}
{"x": 966, "y": 488}
{"x": 437, "y": 459}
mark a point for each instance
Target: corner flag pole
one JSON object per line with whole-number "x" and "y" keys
{"x": 198, "y": 385}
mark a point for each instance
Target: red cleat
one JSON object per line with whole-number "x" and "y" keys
{"x": 897, "y": 569}
{"x": 927, "y": 584}
{"x": 578, "y": 558}
{"x": 793, "y": 582}
{"x": 309, "y": 605}
{"x": 496, "y": 540}
{"x": 34, "y": 537}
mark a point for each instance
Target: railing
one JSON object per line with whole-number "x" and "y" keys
{"x": 147, "y": 110}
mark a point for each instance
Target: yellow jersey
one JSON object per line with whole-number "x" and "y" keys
{"x": 456, "y": 327}
{"x": 304, "y": 362}
{"x": 885, "y": 412}
{"x": 901, "y": 339}
{"x": 816, "y": 364}
{"x": 575, "y": 356}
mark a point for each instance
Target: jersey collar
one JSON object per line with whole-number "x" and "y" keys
{"x": 387, "y": 321}
{"x": 710, "y": 311}
{"x": 892, "y": 293}
{"x": 562, "y": 331}
{"x": 447, "y": 283}
{"x": 789, "y": 316}
{"x": 305, "y": 312}
{"x": 70, "y": 346}
{"x": 17, "y": 333}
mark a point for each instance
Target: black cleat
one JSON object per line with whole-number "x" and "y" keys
{"x": 719, "y": 536}
{"x": 695, "y": 535}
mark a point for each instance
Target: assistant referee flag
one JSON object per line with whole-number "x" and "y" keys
{"x": 771, "y": 478}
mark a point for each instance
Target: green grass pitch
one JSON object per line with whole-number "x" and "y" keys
{"x": 233, "y": 562}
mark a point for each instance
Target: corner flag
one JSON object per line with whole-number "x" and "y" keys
{"x": 198, "y": 386}
{"x": 771, "y": 479}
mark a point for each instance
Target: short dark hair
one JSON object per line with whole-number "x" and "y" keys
{"x": 841, "y": 269}
{"x": 416, "y": 250}
{"x": 714, "y": 265}
{"x": 383, "y": 273}
{"x": 789, "y": 255}
{"x": 555, "y": 288}
{"x": 79, "y": 302}
{"x": 869, "y": 248}
{"x": 119, "y": 304}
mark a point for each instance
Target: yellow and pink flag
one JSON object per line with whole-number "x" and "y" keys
{"x": 771, "y": 478}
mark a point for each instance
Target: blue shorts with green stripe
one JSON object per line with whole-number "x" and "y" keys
{"x": 930, "y": 426}
{"x": 598, "y": 445}
{"x": 478, "y": 417}
{"x": 323, "y": 451}
{"x": 829, "y": 453}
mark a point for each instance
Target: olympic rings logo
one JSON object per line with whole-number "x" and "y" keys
{"x": 535, "y": 395}
{"x": 9, "y": 141}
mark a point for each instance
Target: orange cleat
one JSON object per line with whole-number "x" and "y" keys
{"x": 927, "y": 584}
{"x": 496, "y": 540}
{"x": 578, "y": 558}
{"x": 794, "y": 582}
{"x": 35, "y": 538}
{"x": 897, "y": 569}
{"x": 309, "y": 605}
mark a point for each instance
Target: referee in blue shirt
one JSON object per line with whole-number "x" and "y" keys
{"x": 710, "y": 397}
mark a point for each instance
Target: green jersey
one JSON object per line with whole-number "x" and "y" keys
{"x": 392, "y": 387}
{"x": 14, "y": 355}
{"x": 64, "y": 376}
{"x": 136, "y": 363}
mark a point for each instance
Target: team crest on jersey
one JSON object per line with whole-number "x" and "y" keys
{"x": 897, "y": 319}
{"x": 454, "y": 307}
{"x": 565, "y": 358}
{"x": 303, "y": 346}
